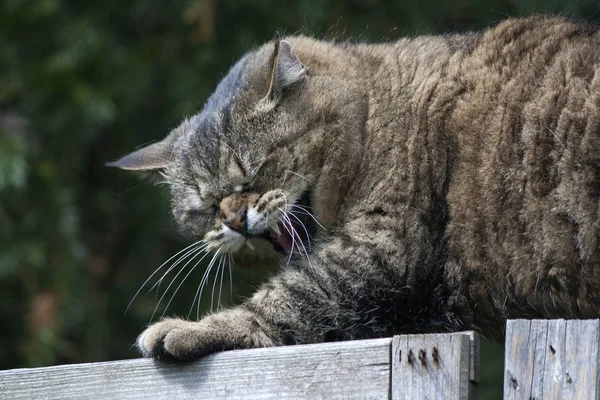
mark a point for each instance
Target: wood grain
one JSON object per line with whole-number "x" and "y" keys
{"x": 357, "y": 369}
{"x": 343, "y": 370}
{"x": 552, "y": 359}
{"x": 436, "y": 366}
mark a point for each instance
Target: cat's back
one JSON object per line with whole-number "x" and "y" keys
{"x": 524, "y": 233}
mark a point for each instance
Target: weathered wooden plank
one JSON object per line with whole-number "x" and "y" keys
{"x": 554, "y": 371}
{"x": 580, "y": 367}
{"x": 475, "y": 359}
{"x": 440, "y": 366}
{"x": 552, "y": 359}
{"x": 355, "y": 369}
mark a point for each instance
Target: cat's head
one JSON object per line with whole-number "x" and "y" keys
{"x": 266, "y": 162}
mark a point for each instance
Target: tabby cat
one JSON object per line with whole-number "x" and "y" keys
{"x": 434, "y": 184}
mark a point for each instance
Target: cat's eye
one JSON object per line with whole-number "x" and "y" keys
{"x": 210, "y": 205}
{"x": 210, "y": 210}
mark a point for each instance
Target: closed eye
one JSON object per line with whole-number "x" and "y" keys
{"x": 255, "y": 172}
{"x": 209, "y": 204}
{"x": 211, "y": 208}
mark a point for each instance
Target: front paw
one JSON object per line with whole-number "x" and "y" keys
{"x": 174, "y": 339}
{"x": 177, "y": 339}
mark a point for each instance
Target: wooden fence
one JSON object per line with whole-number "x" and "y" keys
{"x": 403, "y": 367}
{"x": 544, "y": 359}
{"x": 552, "y": 359}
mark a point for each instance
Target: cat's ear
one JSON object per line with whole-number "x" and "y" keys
{"x": 151, "y": 157}
{"x": 288, "y": 70}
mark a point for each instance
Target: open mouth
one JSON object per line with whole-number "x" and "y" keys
{"x": 296, "y": 229}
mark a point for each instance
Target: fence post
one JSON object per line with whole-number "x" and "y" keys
{"x": 435, "y": 366}
{"x": 552, "y": 359}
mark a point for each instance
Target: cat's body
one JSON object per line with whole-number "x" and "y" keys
{"x": 457, "y": 179}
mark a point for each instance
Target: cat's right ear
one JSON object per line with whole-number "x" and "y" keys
{"x": 287, "y": 70}
{"x": 152, "y": 157}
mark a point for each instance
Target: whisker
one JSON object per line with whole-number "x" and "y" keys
{"x": 308, "y": 213}
{"x": 183, "y": 280}
{"x": 293, "y": 234}
{"x": 212, "y": 294}
{"x": 285, "y": 206}
{"x": 208, "y": 268}
{"x": 221, "y": 284}
{"x": 299, "y": 175}
{"x": 230, "y": 278}
{"x": 305, "y": 251}
{"x": 199, "y": 247}
{"x": 283, "y": 219}
{"x": 180, "y": 260}
{"x": 304, "y": 228}
{"x": 205, "y": 279}
{"x": 158, "y": 269}
{"x": 171, "y": 284}
{"x": 289, "y": 230}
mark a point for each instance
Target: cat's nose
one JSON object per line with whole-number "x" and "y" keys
{"x": 237, "y": 222}
{"x": 232, "y": 212}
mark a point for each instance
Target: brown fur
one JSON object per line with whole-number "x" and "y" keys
{"x": 457, "y": 177}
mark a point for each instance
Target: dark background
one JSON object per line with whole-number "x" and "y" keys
{"x": 84, "y": 82}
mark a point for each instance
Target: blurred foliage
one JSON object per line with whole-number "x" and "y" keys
{"x": 82, "y": 83}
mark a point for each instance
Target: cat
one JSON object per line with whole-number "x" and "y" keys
{"x": 433, "y": 184}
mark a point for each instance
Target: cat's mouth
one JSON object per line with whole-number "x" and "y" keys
{"x": 296, "y": 230}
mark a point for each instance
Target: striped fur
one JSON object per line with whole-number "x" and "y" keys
{"x": 457, "y": 178}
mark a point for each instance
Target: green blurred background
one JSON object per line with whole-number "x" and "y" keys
{"x": 83, "y": 82}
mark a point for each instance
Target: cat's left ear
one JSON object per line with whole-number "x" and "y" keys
{"x": 288, "y": 71}
{"x": 152, "y": 157}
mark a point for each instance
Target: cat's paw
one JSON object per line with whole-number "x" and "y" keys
{"x": 175, "y": 339}
{"x": 267, "y": 212}
{"x": 271, "y": 201}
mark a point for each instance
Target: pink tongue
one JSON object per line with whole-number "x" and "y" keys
{"x": 285, "y": 240}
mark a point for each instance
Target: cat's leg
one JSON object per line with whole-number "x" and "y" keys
{"x": 356, "y": 285}
{"x": 286, "y": 310}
